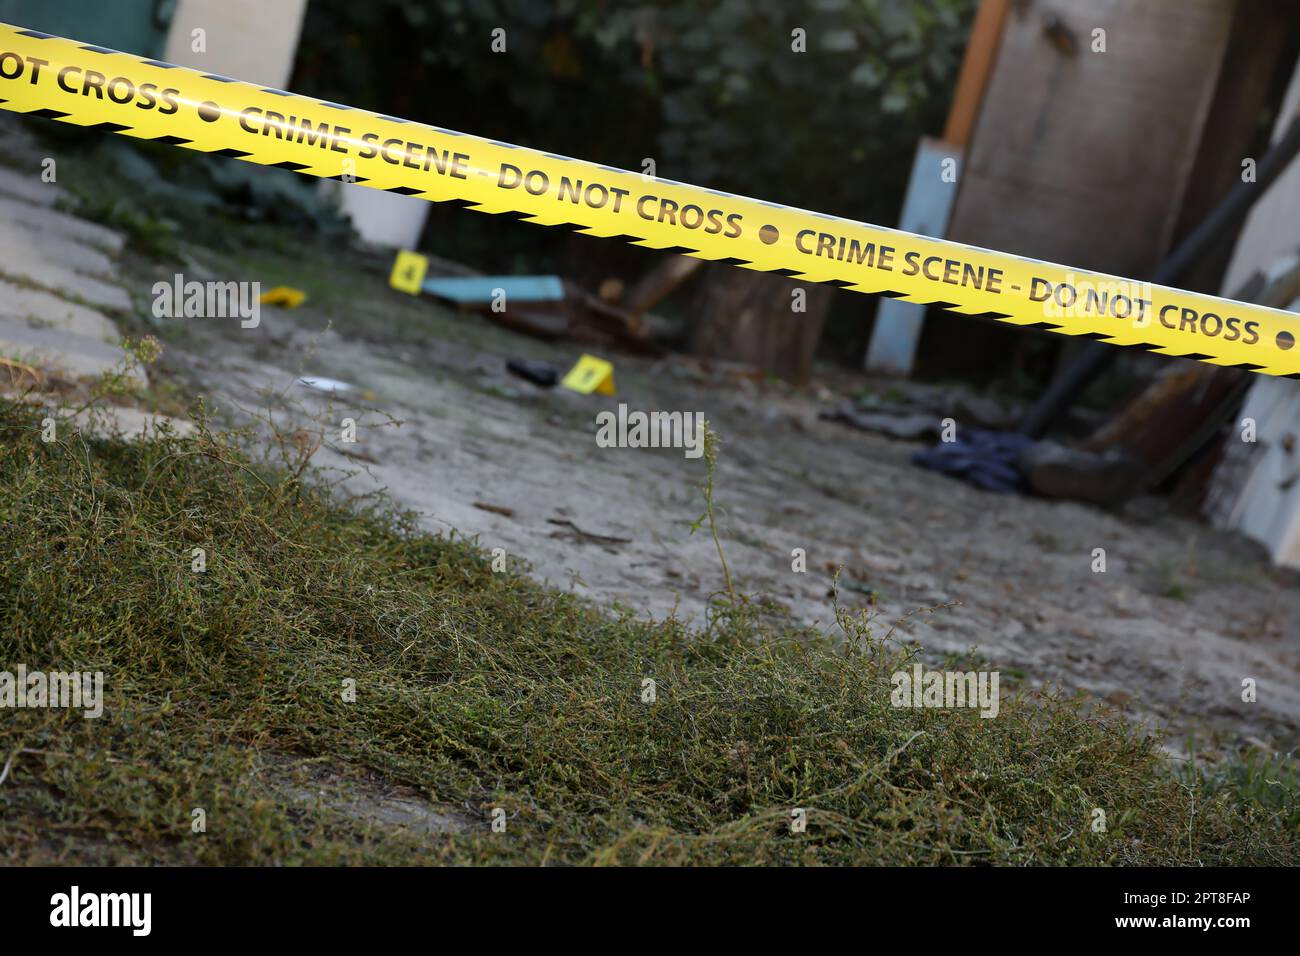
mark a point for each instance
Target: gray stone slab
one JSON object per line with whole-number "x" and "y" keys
{"x": 18, "y": 147}
{"x": 54, "y": 350}
{"x": 77, "y": 256}
{"x": 44, "y": 309}
{"x": 23, "y": 262}
{"x": 24, "y": 182}
{"x": 31, "y": 218}
{"x": 129, "y": 421}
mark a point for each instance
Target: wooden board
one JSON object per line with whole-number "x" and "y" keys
{"x": 1085, "y": 159}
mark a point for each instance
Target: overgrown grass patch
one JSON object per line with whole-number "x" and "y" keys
{"x": 482, "y": 690}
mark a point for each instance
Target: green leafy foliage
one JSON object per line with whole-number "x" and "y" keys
{"x": 713, "y": 91}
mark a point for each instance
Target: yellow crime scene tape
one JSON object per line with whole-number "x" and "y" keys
{"x": 42, "y": 75}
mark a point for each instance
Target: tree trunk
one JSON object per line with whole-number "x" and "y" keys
{"x": 659, "y": 283}
{"x": 753, "y": 317}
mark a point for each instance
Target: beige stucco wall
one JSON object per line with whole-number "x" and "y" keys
{"x": 1270, "y": 231}
{"x": 251, "y": 40}
{"x": 1257, "y": 487}
{"x": 255, "y": 41}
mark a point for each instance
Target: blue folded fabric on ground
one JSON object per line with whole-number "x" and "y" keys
{"x": 985, "y": 459}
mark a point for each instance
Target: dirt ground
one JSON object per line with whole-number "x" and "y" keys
{"x": 1181, "y": 615}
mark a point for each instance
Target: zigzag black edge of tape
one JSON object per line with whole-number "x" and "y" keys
{"x": 108, "y": 126}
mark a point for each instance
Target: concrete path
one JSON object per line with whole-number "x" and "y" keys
{"x": 59, "y": 278}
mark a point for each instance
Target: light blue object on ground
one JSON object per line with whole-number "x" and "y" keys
{"x": 472, "y": 290}
{"x": 930, "y": 195}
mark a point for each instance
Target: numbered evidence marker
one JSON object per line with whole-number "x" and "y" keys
{"x": 591, "y": 374}
{"x": 409, "y": 269}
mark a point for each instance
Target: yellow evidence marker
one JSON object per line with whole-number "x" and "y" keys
{"x": 591, "y": 374}
{"x": 408, "y": 272}
{"x": 284, "y": 296}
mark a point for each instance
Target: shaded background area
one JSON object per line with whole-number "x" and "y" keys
{"x": 713, "y": 93}
{"x": 1099, "y": 134}
{"x": 1101, "y": 160}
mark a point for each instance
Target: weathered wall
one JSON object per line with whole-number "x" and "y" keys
{"x": 1256, "y": 488}
{"x": 1271, "y": 229}
{"x": 128, "y": 25}
{"x": 1085, "y": 159}
{"x": 250, "y": 40}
